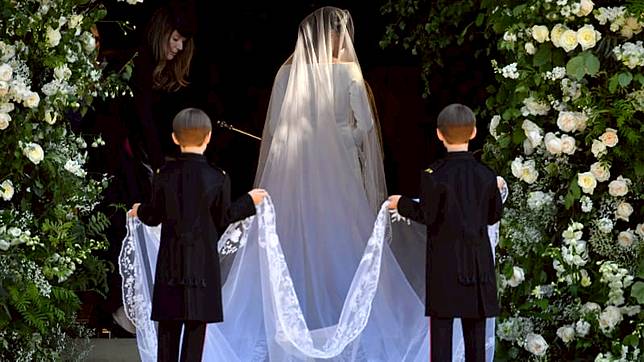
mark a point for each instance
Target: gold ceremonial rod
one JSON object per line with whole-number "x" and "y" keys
{"x": 223, "y": 124}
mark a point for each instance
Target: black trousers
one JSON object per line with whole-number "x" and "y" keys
{"x": 192, "y": 344}
{"x": 441, "y": 339}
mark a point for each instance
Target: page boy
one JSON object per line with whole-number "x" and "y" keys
{"x": 192, "y": 201}
{"x": 459, "y": 199}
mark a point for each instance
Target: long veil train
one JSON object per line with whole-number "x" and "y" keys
{"x": 312, "y": 275}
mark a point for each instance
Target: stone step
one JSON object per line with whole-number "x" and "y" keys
{"x": 113, "y": 350}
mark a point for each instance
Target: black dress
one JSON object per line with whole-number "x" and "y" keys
{"x": 191, "y": 200}
{"x": 459, "y": 199}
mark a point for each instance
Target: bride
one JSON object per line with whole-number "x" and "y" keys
{"x": 313, "y": 277}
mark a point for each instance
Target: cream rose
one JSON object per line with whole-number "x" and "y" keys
{"x": 494, "y": 123}
{"x": 529, "y": 48}
{"x": 566, "y": 333}
{"x": 518, "y": 276}
{"x": 4, "y": 121}
{"x": 528, "y": 148}
{"x": 568, "y": 144}
{"x": 639, "y": 229}
{"x": 4, "y": 88}
{"x": 619, "y": 187}
{"x": 582, "y": 328}
{"x": 34, "y": 152}
{"x": 6, "y": 72}
{"x": 569, "y": 40}
{"x": 31, "y": 100}
{"x": 626, "y": 239}
{"x": 585, "y": 7}
{"x": 7, "y": 190}
{"x": 532, "y": 132}
{"x": 529, "y": 173}
{"x": 53, "y": 37}
{"x": 62, "y": 72}
{"x": 553, "y": 144}
{"x": 567, "y": 121}
{"x": 587, "y": 182}
{"x": 609, "y": 137}
{"x": 49, "y": 118}
{"x": 555, "y": 34}
{"x": 624, "y": 211}
{"x": 535, "y": 344}
{"x": 609, "y": 318}
{"x": 540, "y": 33}
{"x": 6, "y": 107}
{"x": 587, "y": 36}
{"x": 600, "y": 171}
{"x": 598, "y": 148}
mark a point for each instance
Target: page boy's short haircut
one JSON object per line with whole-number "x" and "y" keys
{"x": 456, "y": 122}
{"x": 191, "y": 126}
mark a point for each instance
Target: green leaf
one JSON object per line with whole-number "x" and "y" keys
{"x": 631, "y": 340}
{"x": 591, "y": 63}
{"x": 542, "y": 56}
{"x": 625, "y": 79}
{"x": 637, "y": 292}
{"x": 576, "y": 67}
{"x": 612, "y": 85}
{"x": 639, "y": 78}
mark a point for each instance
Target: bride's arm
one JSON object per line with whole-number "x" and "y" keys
{"x": 361, "y": 110}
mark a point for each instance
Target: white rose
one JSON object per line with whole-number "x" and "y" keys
{"x": 590, "y": 307}
{"x": 529, "y": 173}
{"x": 62, "y": 72}
{"x": 49, "y": 118}
{"x": 566, "y": 333}
{"x": 6, "y": 107}
{"x": 518, "y": 276}
{"x": 4, "y": 88}
{"x": 75, "y": 20}
{"x": 31, "y": 100}
{"x": 6, "y": 72}
{"x": 619, "y": 187}
{"x": 626, "y": 32}
{"x": 568, "y": 144}
{"x": 53, "y": 37}
{"x": 587, "y": 37}
{"x": 624, "y": 211}
{"x": 540, "y": 33}
{"x": 7, "y": 190}
{"x": 535, "y": 344}
{"x": 555, "y": 34}
{"x": 582, "y": 328}
{"x": 4, "y": 245}
{"x": 626, "y": 239}
{"x": 600, "y": 171}
{"x": 568, "y": 40}
{"x": 567, "y": 121}
{"x": 587, "y": 182}
{"x": 533, "y": 133}
{"x": 553, "y": 144}
{"x": 585, "y": 7}
{"x": 34, "y": 152}
{"x": 529, "y": 48}
{"x": 528, "y": 148}
{"x": 89, "y": 43}
{"x": 4, "y": 120}
{"x": 640, "y": 230}
{"x": 609, "y": 318}
{"x": 494, "y": 123}
{"x": 609, "y": 137}
{"x": 598, "y": 148}
{"x": 516, "y": 167}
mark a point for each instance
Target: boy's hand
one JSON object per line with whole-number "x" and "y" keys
{"x": 134, "y": 211}
{"x": 393, "y": 201}
{"x": 258, "y": 195}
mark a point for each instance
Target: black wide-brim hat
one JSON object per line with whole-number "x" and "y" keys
{"x": 183, "y": 16}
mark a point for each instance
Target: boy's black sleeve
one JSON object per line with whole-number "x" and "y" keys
{"x": 411, "y": 209}
{"x": 150, "y": 213}
{"x": 425, "y": 210}
{"x": 224, "y": 212}
{"x": 495, "y": 204}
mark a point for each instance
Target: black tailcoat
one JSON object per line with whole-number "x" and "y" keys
{"x": 191, "y": 200}
{"x": 459, "y": 199}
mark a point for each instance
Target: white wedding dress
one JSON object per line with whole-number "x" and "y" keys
{"x": 312, "y": 276}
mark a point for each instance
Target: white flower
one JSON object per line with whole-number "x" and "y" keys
{"x": 6, "y": 107}
{"x": 31, "y": 100}
{"x": 590, "y": 307}
{"x": 34, "y": 152}
{"x": 609, "y": 318}
{"x": 585, "y": 278}
{"x": 600, "y": 171}
{"x": 518, "y": 276}
{"x": 619, "y": 187}
{"x": 6, "y": 72}
{"x": 537, "y": 199}
{"x": 49, "y": 118}
{"x": 585, "y": 8}
{"x": 598, "y": 148}
{"x": 639, "y": 229}
{"x": 75, "y": 20}
{"x": 4, "y": 245}
{"x": 535, "y": 107}
{"x": 4, "y": 88}
{"x": 53, "y": 37}
{"x": 5, "y": 118}
{"x": 62, "y": 72}
{"x": 586, "y": 204}
{"x": 89, "y": 43}
{"x": 535, "y": 344}
{"x": 556, "y": 73}
{"x": 540, "y": 33}
{"x": 510, "y": 71}
{"x": 626, "y": 239}
{"x": 582, "y": 328}
{"x": 529, "y": 48}
{"x": 7, "y": 190}
{"x": 533, "y": 133}
{"x": 555, "y": 34}
{"x": 609, "y": 137}
{"x": 587, "y": 182}
{"x": 587, "y": 37}
{"x": 74, "y": 167}
{"x": 630, "y": 310}
{"x": 605, "y": 225}
{"x": 624, "y": 211}
{"x": 566, "y": 333}
{"x": 570, "y": 121}
{"x": 494, "y": 123}
{"x": 509, "y": 37}
{"x": 553, "y": 144}
{"x": 569, "y": 40}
